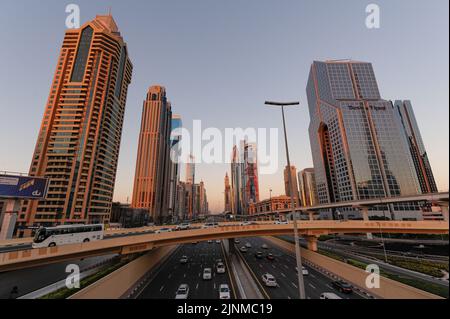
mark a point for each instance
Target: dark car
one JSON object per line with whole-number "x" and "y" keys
{"x": 270, "y": 257}
{"x": 343, "y": 286}
{"x": 259, "y": 255}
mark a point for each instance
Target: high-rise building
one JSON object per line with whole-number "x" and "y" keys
{"x": 358, "y": 148}
{"x": 227, "y": 194}
{"x": 151, "y": 181}
{"x": 294, "y": 186}
{"x": 174, "y": 179}
{"x": 416, "y": 147}
{"x": 190, "y": 170}
{"x": 251, "y": 180}
{"x": 307, "y": 184}
{"x": 79, "y": 139}
{"x": 237, "y": 169}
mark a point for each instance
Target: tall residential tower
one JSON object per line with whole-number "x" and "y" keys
{"x": 79, "y": 139}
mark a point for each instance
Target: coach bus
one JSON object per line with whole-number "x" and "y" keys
{"x": 67, "y": 234}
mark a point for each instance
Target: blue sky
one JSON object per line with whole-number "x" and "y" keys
{"x": 221, "y": 59}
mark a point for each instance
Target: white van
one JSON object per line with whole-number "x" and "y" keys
{"x": 329, "y": 295}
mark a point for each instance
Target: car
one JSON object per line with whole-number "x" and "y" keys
{"x": 210, "y": 241}
{"x": 269, "y": 280}
{"x": 329, "y": 295}
{"x": 259, "y": 255}
{"x": 182, "y": 292}
{"x": 163, "y": 230}
{"x": 218, "y": 241}
{"x": 195, "y": 243}
{"x": 224, "y": 292}
{"x": 210, "y": 225}
{"x": 281, "y": 222}
{"x": 183, "y": 226}
{"x": 342, "y": 286}
{"x": 264, "y": 246}
{"x": 237, "y": 241}
{"x": 245, "y": 224}
{"x": 270, "y": 257}
{"x": 184, "y": 260}
{"x": 305, "y": 271}
{"x": 248, "y": 245}
{"x": 207, "y": 274}
{"x": 220, "y": 268}
{"x": 219, "y": 261}
{"x": 243, "y": 249}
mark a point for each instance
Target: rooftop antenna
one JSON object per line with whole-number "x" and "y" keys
{"x": 109, "y": 10}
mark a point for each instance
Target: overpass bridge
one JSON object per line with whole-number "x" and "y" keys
{"x": 137, "y": 243}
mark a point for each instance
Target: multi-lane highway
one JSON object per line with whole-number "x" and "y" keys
{"x": 172, "y": 273}
{"x": 283, "y": 269}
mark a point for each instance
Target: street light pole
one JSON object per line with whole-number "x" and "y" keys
{"x": 301, "y": 283}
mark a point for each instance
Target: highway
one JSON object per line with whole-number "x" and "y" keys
{"x": 29, "y": 280}
{"x": 283, "y": 269}
{"x": 172, "y": 273}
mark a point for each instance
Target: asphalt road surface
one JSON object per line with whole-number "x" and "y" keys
{"x": 172, "y": 274}
{"x": 283, "y": 269}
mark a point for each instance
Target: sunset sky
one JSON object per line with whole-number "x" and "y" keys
{"x": 220, "y": 60}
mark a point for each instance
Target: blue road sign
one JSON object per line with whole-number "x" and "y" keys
{"x": 23, "y": 187}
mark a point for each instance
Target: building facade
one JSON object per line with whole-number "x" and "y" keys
{"x": 359, "y": 151}
{"x": 174, "y": 179}
{"x": 237, "y": 188}
{"x": 294, "y": 188}
{"x": 250, "y": 176}
{"x": 79, "y": 138}
{"x": 151, "y": 181}
{"x": 227, "y": 194}
{"x": 271, "y": 205}
{"x": 416, "y": 147}
{"x": 307, "y": 184}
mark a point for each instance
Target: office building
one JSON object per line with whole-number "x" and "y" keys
{"x": 307, "y": 184}
{"x": 294, "y": 187}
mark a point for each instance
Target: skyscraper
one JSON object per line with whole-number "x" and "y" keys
{"x": 79, "y": 139}
{"x": 358, "y": 148}
{"x": 307, "y": 184}
{"x": 174, "y": 178}
{"x": 251, "y": 180}
{"x": 227, "y": 194}
{"x": 416, "y": 147}
{"x": 237, "y": 169}
{"x": 287, "y": 187}
{"x": 151, "y": 181}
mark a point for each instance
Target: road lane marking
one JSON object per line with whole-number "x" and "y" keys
{"x": 294, "y": 285}
{"x": 161, "y": 289}
{"x": 196, "y": 287}
{"x": 312, "y": 286}
{"x": 283, "y": 275}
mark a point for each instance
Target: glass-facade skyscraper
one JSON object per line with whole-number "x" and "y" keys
{"x": 79, "y": 139}
{"x": 358, "y": 145}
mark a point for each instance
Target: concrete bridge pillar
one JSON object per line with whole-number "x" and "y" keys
{"x": 311, "y": 242}
{"x": 311, "y": 215}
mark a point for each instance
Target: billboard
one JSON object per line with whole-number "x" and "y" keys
{"x": 23, "y": 187}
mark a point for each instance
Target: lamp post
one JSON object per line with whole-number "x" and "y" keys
{"x": 301, "y": 284}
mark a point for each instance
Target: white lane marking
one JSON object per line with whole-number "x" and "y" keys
{"x": 260, "y": 266}
{"x": 274, "y": 267}
{"x": 184, "y": 275}
{"x": 214, "y": 286}
{"x": 294, "y": 285}
{"x": 329, "y": 286}
{"x": 170, "y": 276}
{"x": 196, "y": 287}
{"x": 312, "y": 286}
{"x": 161, "y": 289}
{"x": 312, "y": 276}
{"x": 285, "y": 266}
{"x": 283, "y": 275}
{"x": 289, "y": 297}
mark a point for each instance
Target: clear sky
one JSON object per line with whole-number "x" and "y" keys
{"x": 221, "y": 59}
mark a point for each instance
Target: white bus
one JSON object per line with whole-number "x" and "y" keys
{"x": 67, "y": 234}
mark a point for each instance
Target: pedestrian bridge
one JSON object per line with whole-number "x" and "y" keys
{"x": 137, "y": 243}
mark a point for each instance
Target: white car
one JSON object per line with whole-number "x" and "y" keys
{"x": 220, "y": 268}
{"x": 245, "y": 224}
{"x": 269, "y": 280}
{"x": 243, "y": 249}
{"x": 237, "y": 241}
{"x": 163, "y": 230}
{"x": 183, "y": 226}
{"x": 184, "y": 260}
{"x": 207, "y": 274}
{"x": 182, "y": 292}
{"x": 281, "y": 222}
{"x": 218, "y": 241}
{"x": 248, "y": 245}
{"x": 210, "y": 241}
{"x": 224, "y": 292}
{"x": 305, "y": 271}
{"x": 329, "y": 295}
{"x": 210, "y": 225}
{"x": 264, "y": 246}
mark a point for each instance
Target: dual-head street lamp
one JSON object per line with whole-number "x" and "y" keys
{"x": 298, "y": 256}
